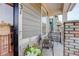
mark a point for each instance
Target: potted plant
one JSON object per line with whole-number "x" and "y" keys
{"x": 32, "y": 51}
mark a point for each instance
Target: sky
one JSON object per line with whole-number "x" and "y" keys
{"x": 6, "y": 13}
{"x": 74, "y": 14}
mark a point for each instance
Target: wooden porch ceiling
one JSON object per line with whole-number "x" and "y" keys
{"x": 58, "y": 8}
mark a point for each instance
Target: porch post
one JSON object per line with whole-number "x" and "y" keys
{"x": 64, "y": 17}
{"x": 15, "y": 24}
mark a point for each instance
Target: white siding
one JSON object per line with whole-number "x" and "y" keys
{"x": 31, "y": 23}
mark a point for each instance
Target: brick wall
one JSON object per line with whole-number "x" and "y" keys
{"x": 5, "y": 40}
{"x": 71, "y": 38}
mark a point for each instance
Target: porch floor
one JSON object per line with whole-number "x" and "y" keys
{"x": 58, "y": 50}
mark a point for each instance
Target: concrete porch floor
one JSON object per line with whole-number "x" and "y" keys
{"x": 58, "y": 50}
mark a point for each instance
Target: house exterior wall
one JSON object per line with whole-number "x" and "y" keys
{"x": 30, "y": 19}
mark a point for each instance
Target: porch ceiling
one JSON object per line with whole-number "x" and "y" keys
{"x": 57, "y": 8}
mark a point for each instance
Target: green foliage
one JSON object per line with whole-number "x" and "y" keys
{"x": 32, "y": 51}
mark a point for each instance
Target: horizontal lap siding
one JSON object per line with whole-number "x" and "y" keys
{"x": 31, "y": 21}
